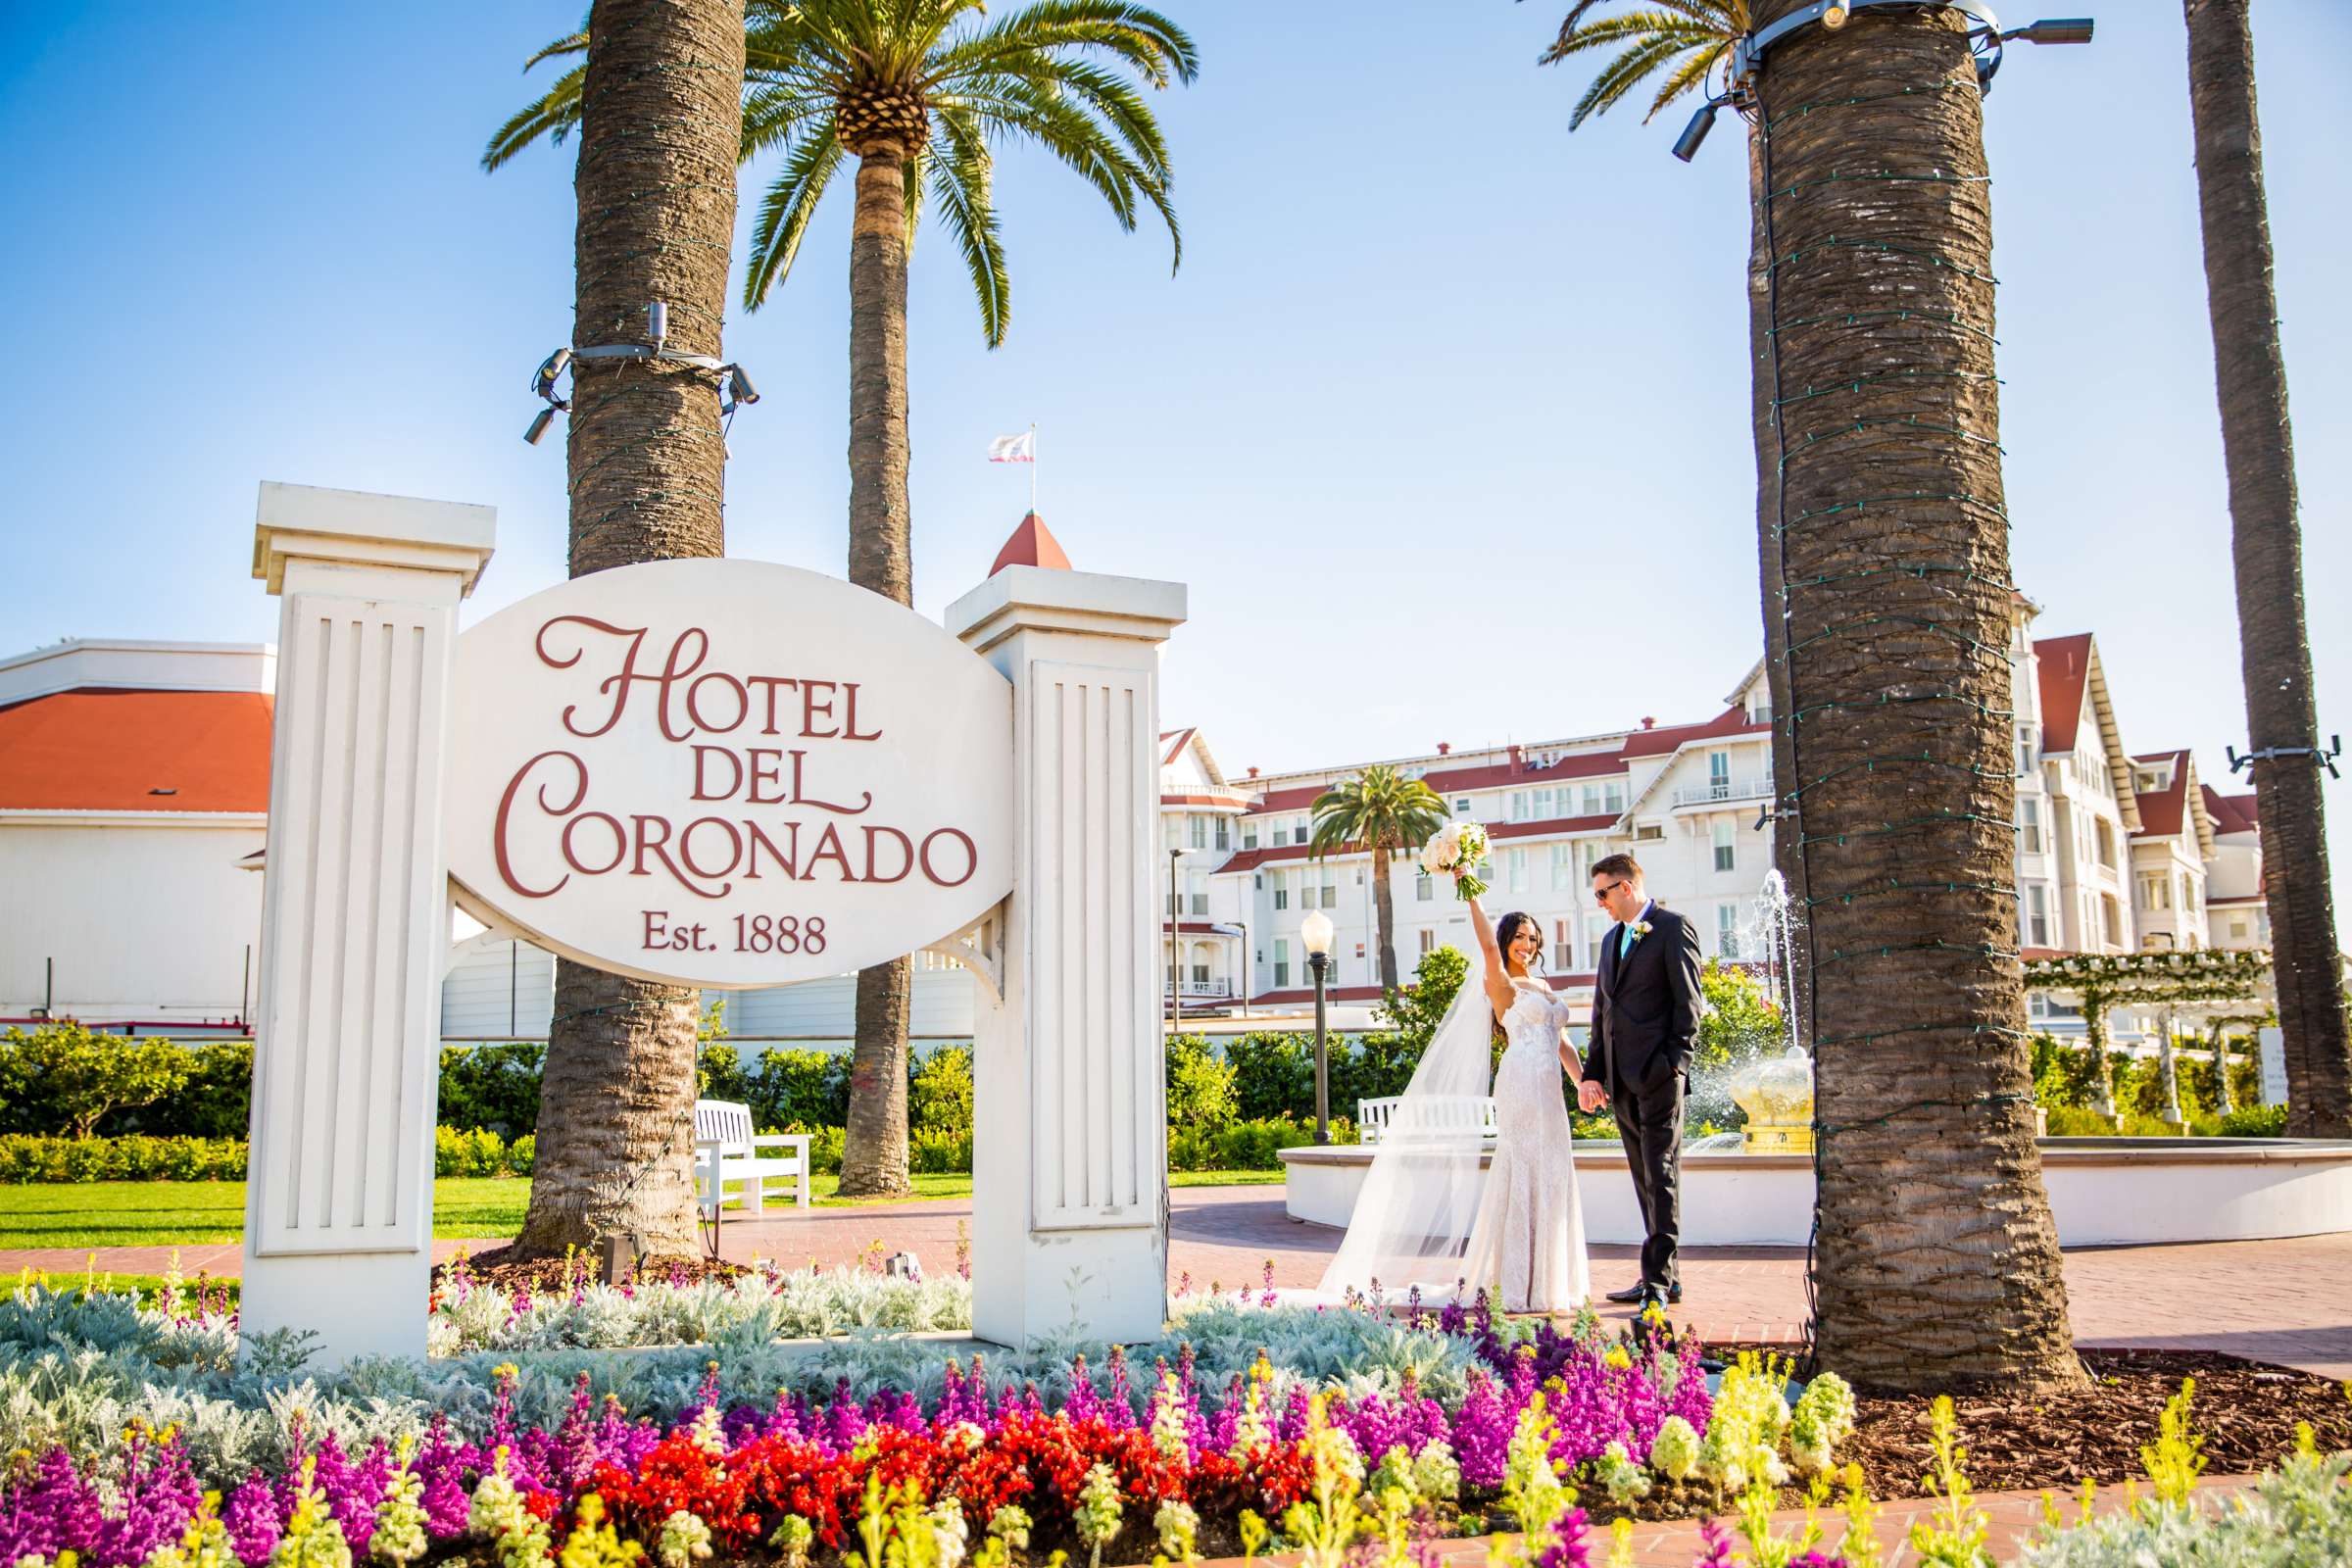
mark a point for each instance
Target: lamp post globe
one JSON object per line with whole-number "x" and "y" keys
{"x": 1316, "y": 933}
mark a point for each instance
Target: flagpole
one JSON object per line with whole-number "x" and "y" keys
{"x": 1033, "y": 467}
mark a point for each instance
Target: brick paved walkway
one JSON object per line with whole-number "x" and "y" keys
{"x": 2287, "y": 1301}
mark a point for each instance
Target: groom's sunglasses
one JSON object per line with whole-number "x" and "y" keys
{"x": 1601, "y": 895}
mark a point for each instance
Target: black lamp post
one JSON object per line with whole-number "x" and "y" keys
{"x": 1245, "y": 966}
{"x": 1175, "y": 995}
{"x": 1315, "y": 932}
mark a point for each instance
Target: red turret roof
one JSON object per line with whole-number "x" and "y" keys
{"x": 136, "y": 751}
{"x": 1032, "y": 545}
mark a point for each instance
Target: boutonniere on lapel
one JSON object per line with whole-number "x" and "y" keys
{"x": 1640, "y": 929}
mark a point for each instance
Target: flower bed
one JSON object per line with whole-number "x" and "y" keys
{"x": 1321, "y": 1429}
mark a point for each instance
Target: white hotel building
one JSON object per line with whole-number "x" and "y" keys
{"x": 134, "y": 791}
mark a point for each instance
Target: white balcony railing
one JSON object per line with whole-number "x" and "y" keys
{"x": 1717, "y": 790}
{"x": 1200, "y": 988}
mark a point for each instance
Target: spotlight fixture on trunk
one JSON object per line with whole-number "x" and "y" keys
{"x": 1685, "y": 146}
{"x": 2061, "y": 30}
{"x": 730, "y": 382}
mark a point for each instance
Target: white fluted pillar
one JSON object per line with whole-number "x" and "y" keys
{"x": 1070, "y": 1167}
{"x": 354, "y": 913}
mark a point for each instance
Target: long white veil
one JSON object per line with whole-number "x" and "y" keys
{"x": 1413, "y": 1216}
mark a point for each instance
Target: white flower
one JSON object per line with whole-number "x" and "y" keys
{"x": 684, "y": 1538}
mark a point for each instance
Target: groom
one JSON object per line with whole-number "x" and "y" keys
{"x": 1645, "y": 1008}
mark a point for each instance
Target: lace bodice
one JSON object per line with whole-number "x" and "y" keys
{"x": 1537, "y": 1015}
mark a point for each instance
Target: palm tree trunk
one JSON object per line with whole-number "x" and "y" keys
{"x": 2267, "y": 545}
{"x": 1384, "y": 910}
{"x": 660, "y": 122}
{"x": 873, "y": 1159}
{"x": 1786, "y": 825}
{"x": 1937, "y": 1261}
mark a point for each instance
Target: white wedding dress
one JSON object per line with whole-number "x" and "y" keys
{"x": 1527, "y": 1244}
{"x": 1439, "y": 1210}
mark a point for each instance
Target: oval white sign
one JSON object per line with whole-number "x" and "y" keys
{"x": 728, "y": 773}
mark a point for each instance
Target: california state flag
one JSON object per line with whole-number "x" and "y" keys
{"x": 1020, "y": 448}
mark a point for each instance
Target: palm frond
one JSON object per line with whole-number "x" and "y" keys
{"x": 554, "y": 116}
{"x": 962, "y": 183}
{"x": 1148, "y": 42}
{"x": 571, "y": 43}
{"x": 784, "y": 211}
{"x": 1620, "y": 77}
{"x": 1083, "y": 144}
{"x": 1690, "y": 74}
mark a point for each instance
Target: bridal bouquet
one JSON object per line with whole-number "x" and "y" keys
{"x": 1458, "y": 848}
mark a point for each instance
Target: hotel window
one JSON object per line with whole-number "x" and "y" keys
{"x": 1282, "y": 890}
{"x": 1612, "y": 796}
{"x": 1726, "y": 854}
{"x": 1199, "y": 832}
{"x": 1593, "y": 807}
{"x": 1249, "y": 835}
{"x": 1515, "y": 865}
{"x": 1563, "y": 868}
{"x": 1282, "y": 834}
{"x": 1299, "y": 831}
{"x": 2113, "y": 920}
{"x": 2156, "y": 892}
{"x": 1428, "y": 939}
{"x": 1331, "y": 893}
{"x": 1518, "y": 806}
{"x": 1200, "y": 974}
{"x": 2238, "y": 928}
{"x": 1282, "y": 961}
{"x": 2029, "y": 825}
{"x": 2024, "y": 750}
{"x": 1597, "y": 926}
{"x": 1649, "y": 832}
{"x": 1422, "y": 889}
{"x": 1224, "y": 834}
{"x": 1719, "y": 775}
{"x": 1200, "y": 905}
{"x": 1542, "y": 806}
{"x": 2106, "y": 845}
{"x": 2037, "y": 916}
{"x": 1727, "y": 930}
{"x": 1563, "y": 945}
{"x": 1461, "y": 805}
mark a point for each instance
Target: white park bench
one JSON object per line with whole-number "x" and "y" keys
{"x": 728, "y": 1155}
{"x": 1440, "y": 1115}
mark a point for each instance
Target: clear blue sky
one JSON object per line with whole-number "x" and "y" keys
{"x": 1424, "y": 342}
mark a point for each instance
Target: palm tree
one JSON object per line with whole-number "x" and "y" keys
{"x": 2267, "y": 543}
{"x": 657, "y": 117}
{"x": 1936, "y": 1259}
{"x": 1680, "y": 44}
{"x": 1382, "y": 810}
{"x": 919, "y": 101}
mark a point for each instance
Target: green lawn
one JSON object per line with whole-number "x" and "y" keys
{"x": 89, "y": 1215}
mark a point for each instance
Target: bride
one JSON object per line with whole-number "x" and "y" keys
{"x": 1425, "y": 1218}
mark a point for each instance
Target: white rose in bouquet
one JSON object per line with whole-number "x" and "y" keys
{"x": 1458, "y": 850}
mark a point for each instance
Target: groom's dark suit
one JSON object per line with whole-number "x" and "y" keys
{"x": 1645, "y": 1008}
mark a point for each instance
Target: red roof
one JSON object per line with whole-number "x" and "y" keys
{"x": 1032, "y": 545}
{"x": 1556, "y": 825}
{"x": 136, "y": 751}
{"x": 2230, "y": 813}
{"x": 2065, "y": 672}
{"x": 1578, "y": 764}
{"x": 2160, "y": 809}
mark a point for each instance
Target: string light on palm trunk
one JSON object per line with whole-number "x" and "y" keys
{"x": 1745, "y": 62}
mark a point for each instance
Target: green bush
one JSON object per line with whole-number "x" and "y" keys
{"x": 1202, "y": 1085}
{"x": 211, "y": 1103}
{"x": 27, "y": 1157}
{"x": 932, "y": 1152}
{"x": 797, "y": 1090}
{"x": 2063, "y": 1074}
{"x": 1247, "y": 1145}
{"x": 2253, "y": 1122}
{"x": 1373, "y": 1066}
{"x": 467, "y": 1151}
{"x": 939, "y": 1098}
{"x": 1740, "y": 1021}
{"x": 1414, "y": 1012}
{"x": 522, "y": 1154}
{"x": 60, "y": 1077}
{"x": 2078, "y": 1121}
{"x": 494, "y": 1086}
{"x": 1273, "y": 1075}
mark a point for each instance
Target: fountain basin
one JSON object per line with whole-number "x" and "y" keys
{"x": 2104, "y": 1191}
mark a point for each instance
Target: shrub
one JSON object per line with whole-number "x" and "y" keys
{"x": 1415, "y": 1011}
{"x": 931, "y": 1153}
{"x": 2078, "y": 1121}
{"x": 1246, "y": 1144}
{"x": 793, "y": 1091}
{"x": 1273, "y": 1074}
{"x": 1740, "y": 1020}
{"x": 494, "y": 1086}
{"x": 2063, "y": 1074}
{"x": 2253, "y": 1122}
{"x": 824, "y": 1147}
{"x": 1202, "y": 1085}
{"x": 939, "y": 1097}
{"x": 65, "y": 1078}
{"x": 1372, "y": 1068}
{"x": 467, "y": 1151}
{"x": 34, "y": 1157}
{"x": 211, "y": 1103}
{"x": 522, "y": 1154}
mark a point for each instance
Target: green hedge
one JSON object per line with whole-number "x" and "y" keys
{"x": 36, "y": 1157}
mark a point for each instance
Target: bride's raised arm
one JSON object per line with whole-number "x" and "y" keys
{"x": 1498, "y": 976}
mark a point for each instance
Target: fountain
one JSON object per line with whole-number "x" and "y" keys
{"x": 1776, "y": 1093}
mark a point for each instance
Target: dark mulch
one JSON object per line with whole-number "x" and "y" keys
{"x": 2245, "y": 1411}
{"x": 498, "y": 1268}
